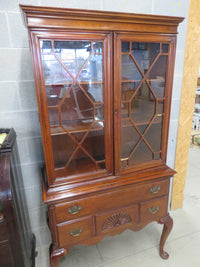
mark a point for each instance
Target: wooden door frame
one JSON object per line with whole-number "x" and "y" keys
{"x": 190, "y": 75}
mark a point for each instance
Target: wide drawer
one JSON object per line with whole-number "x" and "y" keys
{"x": 75, "y": 231}
{"x": 113, "y": 220}
{"x": 153, "y": 210}
{"x": 104, "y": 202}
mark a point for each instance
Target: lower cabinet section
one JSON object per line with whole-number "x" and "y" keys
{"x": 78, "y": 230}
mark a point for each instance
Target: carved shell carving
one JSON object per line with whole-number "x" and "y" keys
{"x": 116, "y": 220}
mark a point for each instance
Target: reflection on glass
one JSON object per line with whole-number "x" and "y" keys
{"x": 94, "y": 91}
{"x": 129, "y": 71}
{"x": 98, "y": 47}
{"x": 93, "y": 70}
{"x": 73, "y": 54}
{"x": 53, "y": 71}
{"x": 55, "y": 94}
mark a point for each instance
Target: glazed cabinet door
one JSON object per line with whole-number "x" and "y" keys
{"x": 143, "y": 81}
{"x": 75, "y": 104}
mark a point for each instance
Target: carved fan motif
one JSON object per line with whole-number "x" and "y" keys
{"x": 116, "y": 220}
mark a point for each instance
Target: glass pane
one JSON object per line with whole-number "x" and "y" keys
{"x": 124, "y": 110}
{"x": 63, "y": 147}
{"x": 73, "y": 73}
{"x": 154, "y": 134}
{"x": 53, "y": 70}
{"x": 98, "y": 47}
{"x": 128, "y": 89}
{"x": 165, "y": 48}
{"x": 129, "y": 138}
{"x": 76, "y": 110}
{"x": 80, "y": 163}
{"x": 73, "y": 54}
{"x": 55, "y": 94}
{"x": 142, "y": 154}
{"x": 94, "y": 144}
{"x": 145, "y": 54}
{"x": 93, "y": 70}
{"x": 94, "y": 91}
{"x": 140, "y": 103}
{"x": 143, "y": 105}
{"x": 157, "y": 76}
{"x": 129, "y": 71}
{"x": 125, "y": 46}
{"x": 53, "y": 116}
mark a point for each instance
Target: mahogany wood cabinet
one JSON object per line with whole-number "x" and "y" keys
{"x": 104, "y": 85}
{"x": 17, "y": 243}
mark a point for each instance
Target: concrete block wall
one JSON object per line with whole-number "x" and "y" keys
{"x": 18, "y": 105}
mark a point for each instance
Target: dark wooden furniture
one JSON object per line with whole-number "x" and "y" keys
{"x": 17, "y": 243}
{"x": 103, "y": 83}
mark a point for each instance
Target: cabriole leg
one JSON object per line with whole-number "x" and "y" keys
{"x": 168, "y": 223}
{"x": 55, "y": 256}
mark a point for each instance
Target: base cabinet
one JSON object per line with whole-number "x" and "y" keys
{"x": 104, "y": 86}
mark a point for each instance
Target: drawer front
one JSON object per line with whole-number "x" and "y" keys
{"x": 113, "y": 220}
{"x": 75, "y": 231}
{"x": 154, "y": 209}
{"x": 104, "y": 202}
{"x": 3, "y": 232}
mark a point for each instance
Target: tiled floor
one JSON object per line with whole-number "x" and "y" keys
{"x": 140, "y": 249}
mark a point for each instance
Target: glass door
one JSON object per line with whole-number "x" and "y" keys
{"x": 141, "y": 89}
{"x": 75, "y": 83}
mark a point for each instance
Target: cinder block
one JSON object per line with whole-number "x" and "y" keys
{"x": 4, "y": 40}
{"x": 11, "y": 5}
{"x": 19, "y": 33}
{"x": 67, "y": 4}
{"x": 30, "y": 150}
{"x": 31, "y": 173}
{"x": 15, "y": 64}
{"x": 33, "y": 197}
{"x": 27, "y": 95}
{"x": 9, "y": 100}
{"x": 26, "y": 124}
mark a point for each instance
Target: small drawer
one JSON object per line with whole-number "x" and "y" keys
{"x": 154, "y": 209}
{"x": 75, "y": 231}
{"x": 116, "y": 219}
{"x": 3, "y": 232}
{"x": 156, "y": 189}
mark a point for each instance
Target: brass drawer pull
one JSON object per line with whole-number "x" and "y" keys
{"x": 153, "y": 210}
{"x": 76, "y": 232}
{"x": 155, "y": 189}
{"x": 74, "y": 209}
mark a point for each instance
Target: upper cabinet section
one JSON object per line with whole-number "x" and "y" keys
{"x": 103, "y": 82}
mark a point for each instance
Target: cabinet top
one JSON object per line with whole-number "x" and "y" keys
{"x": 47, "y": 17}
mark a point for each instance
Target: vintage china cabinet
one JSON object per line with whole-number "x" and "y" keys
{"x": 104, "y": 85}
